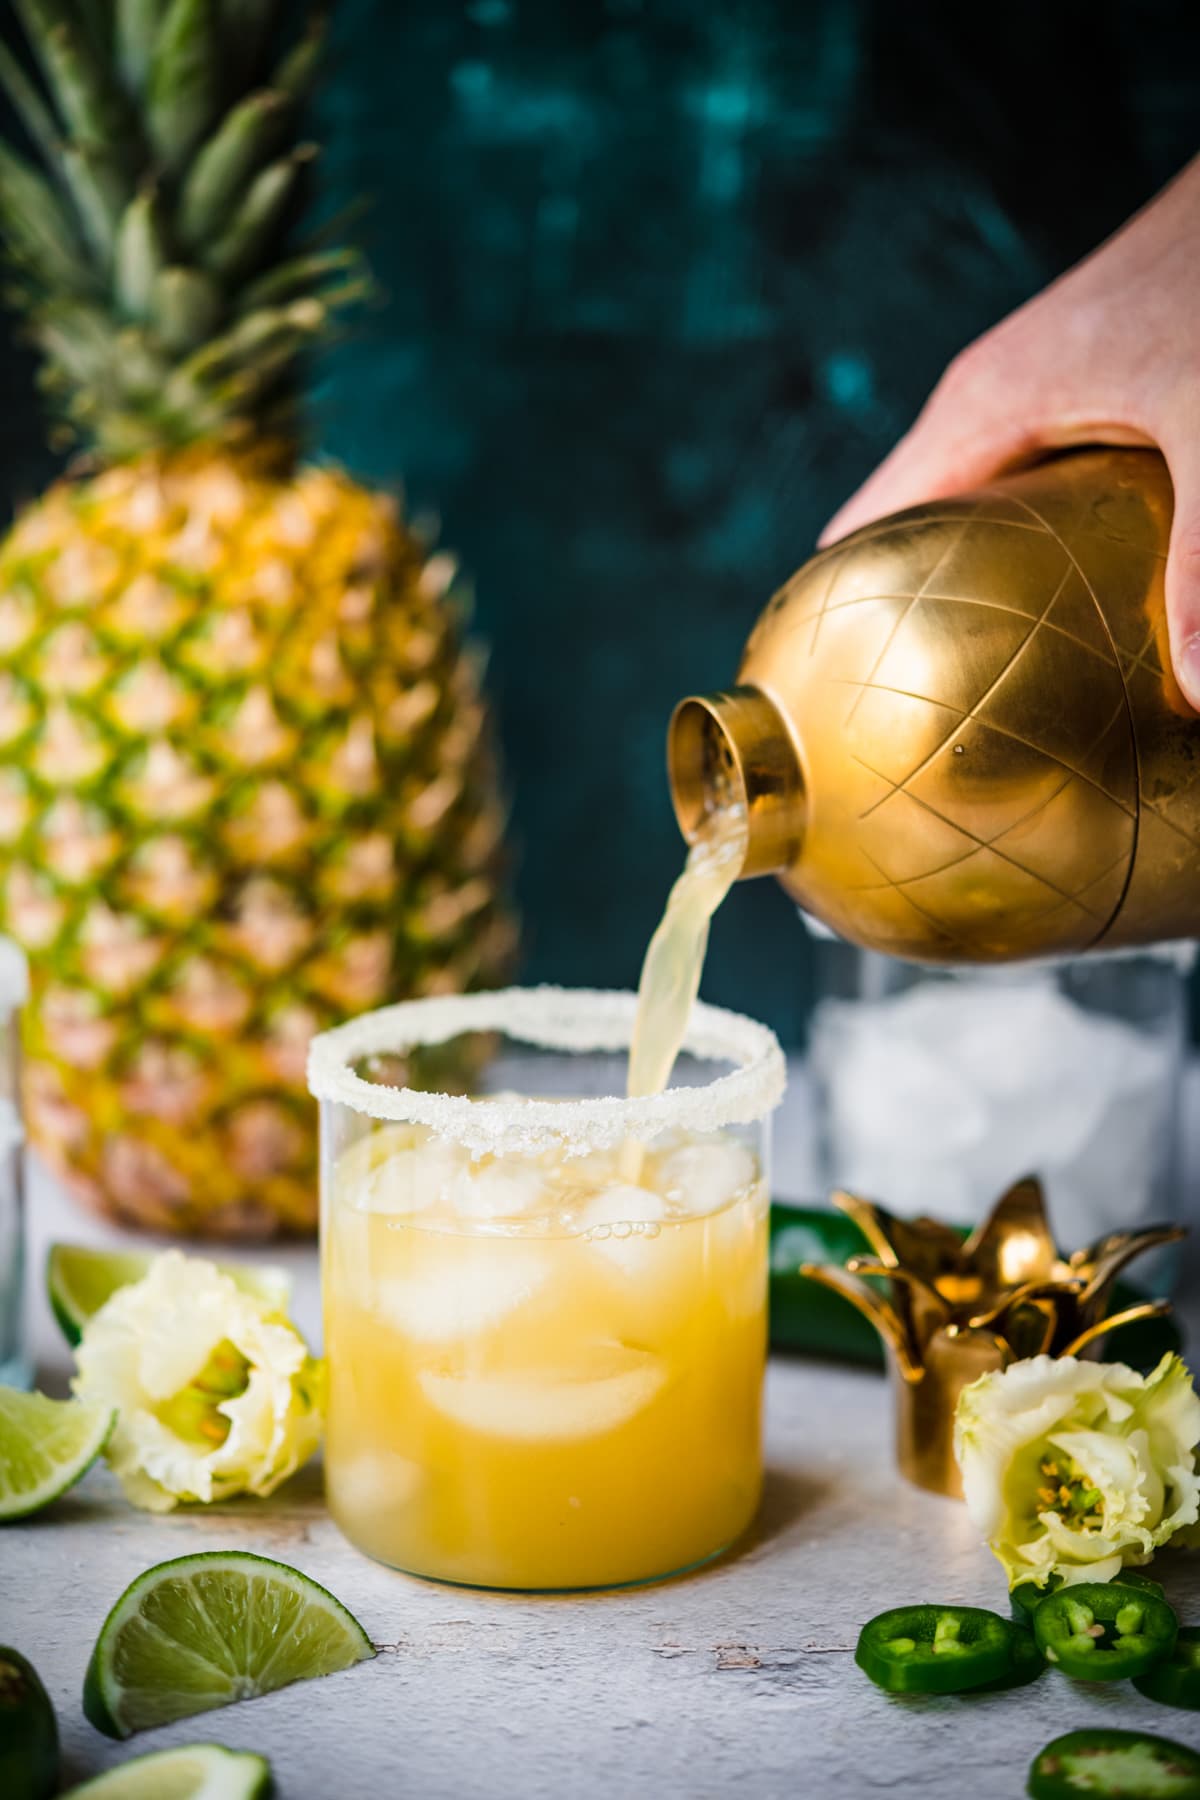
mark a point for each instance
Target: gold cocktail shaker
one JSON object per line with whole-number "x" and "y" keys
{"x": 957, "y": 732}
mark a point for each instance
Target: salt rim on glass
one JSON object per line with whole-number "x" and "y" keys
{"x": 578, "y": 1020}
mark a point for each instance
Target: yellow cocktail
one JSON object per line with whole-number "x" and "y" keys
{"x": 541, "y": 1373}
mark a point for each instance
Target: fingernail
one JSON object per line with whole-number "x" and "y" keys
{"x": 1189, "y": 669}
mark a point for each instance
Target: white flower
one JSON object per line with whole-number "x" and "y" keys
{"x": 1076, "y": 1468}
{"x": 215, "y": 1392}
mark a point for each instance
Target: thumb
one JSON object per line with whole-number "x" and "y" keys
{"x": 964, "y": 435}
{"x": 1183, "y": 563}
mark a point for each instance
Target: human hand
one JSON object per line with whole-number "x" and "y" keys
{"x": 1108, "y": 354}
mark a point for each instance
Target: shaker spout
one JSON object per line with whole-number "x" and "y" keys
{"x": 734, "y": 748}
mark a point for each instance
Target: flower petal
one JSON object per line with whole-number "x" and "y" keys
{"x": 163, "y": 1351}
{"x": 1075, "y": 1467}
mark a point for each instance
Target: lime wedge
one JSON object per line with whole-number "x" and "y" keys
{"x": 204, "y": 1631}
{"x": 45, "y": 1446}
{"x": 79, "y": 1281}
{"x": 193, "y": 1772}
{"x": 28, "y": 1733}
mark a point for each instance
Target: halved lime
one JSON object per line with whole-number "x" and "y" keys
{"x": 193, "y": 1772}
{"x": 45, "y": 1446}
{"x": 204, "y": 1631}
{"x": 80, "y": 1280}
{"x": 28, "y": 1733}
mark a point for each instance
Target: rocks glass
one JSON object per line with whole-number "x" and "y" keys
{"x": 545, "y": 1317}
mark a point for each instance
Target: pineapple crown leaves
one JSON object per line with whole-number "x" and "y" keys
{"x": 150, "y": 237}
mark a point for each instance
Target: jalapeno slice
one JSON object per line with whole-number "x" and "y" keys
{"x": 935, "y": 1649}
{"x": 1114, "y": 1763}
{"x": 1135, "y": 1579}
{"x": 1175, "y": 1681}
{"x": 1026, "y": 1663}
{"x": 1027, "y": 1596}
{"x": 1101, "y": 1631}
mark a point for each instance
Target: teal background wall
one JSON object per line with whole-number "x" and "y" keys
{"x": 663, "y": 281}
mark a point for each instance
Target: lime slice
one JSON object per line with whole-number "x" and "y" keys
{"x": 45, "y": 1446}
{"x": 193, "y": 1772}
{"x": 204, "y": 1631}
{"x": 79, "y": 1281}
{"x": 28, "y": 1733}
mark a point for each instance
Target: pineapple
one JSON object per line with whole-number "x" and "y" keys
{"x": 246, "y": 783}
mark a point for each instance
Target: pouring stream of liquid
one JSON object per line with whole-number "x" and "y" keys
{"x": 670, "y": 977}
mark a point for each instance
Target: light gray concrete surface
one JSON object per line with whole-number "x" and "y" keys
{"x": 736, "y": 1681}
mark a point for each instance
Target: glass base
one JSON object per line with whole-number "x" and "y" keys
{"x": 603, "y": 1587}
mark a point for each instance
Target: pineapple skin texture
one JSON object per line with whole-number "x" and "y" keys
{"x": 246, "y": 790}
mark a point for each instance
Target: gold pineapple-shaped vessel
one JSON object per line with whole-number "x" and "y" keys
{"x": 246, "y": 786}
{"x": 951, "y": 1309}
{"x": 957, "y": 732}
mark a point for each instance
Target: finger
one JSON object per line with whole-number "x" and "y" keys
{"x": 951, "y": 465}
{"x": 976, "y": 422}
{"x": 927, "y": 464}
{"x": 1182, "y": 451}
